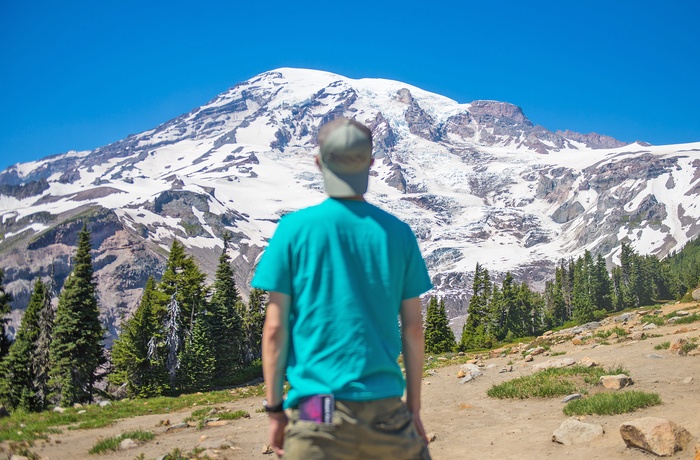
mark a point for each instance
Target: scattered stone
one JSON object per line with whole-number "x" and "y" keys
{"x": 649, "y": 326}
{"x": 506, "y": 369}
{"x": 127, "y": 443}
{"x": 177, "y": 426}
{"x": 267, "y": 450}
{"x": 588, "y": 362}
{"x": 656, "y": 435}
{"x": 654, "y": 356}
{"x": 18, "y": 457}
{"x": 217, "y": 423}
{"x": 577, "y": 341}
{"x": 215, "y": 444}
{"x": 104, "y": 403}
{"x": 471, "y": 371}
{"x": 687, "y": 380}
{"x": 695, "y": 352}
{"x": 80, "y": 412}
{"x": 431, "y": 437}
{"x": 164, "y": 422}
{"x": 463, "y": 405}
{"x": 77, "y": 405}
{"x": 547, "y": 334}
{"x": 442, "y": 358}
{"x": 563, "y": 362}
{"x": 571, "y": 398}
{"x": 682, "y": 330}
{"x": 615, "y": 382}
{"x": 461, "y": 374}
{"x": 573, "y": 431}
{"x": 623, "y": 318}
{"x": 529, "y": 358}
{"x": 637, "y": 336}
{"x": 536, "y": 351}
{"x": 677, "y": 345}
{"x": 682, "y": 313}
{"x": 59, "y": 409}
{"x": 696, "y": 294}
{"x": 673, "y": 320}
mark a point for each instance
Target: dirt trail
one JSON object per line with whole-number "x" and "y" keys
{"x": 466, "y": 422}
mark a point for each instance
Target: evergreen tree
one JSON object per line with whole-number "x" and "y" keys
{"x": 511, "y": 309}
{"x": 76, "y": 349}
{"x": 197, "y": 363}
{"x": 438, "y": 335}
{"x": 225, "y": 322}
{"x": 253, "y": 323}
{"x": 476, "y": 330}
{"x": 5, "y": 299}
{"x": 22, "y": 387}
{"x": 183, "y": 284}
{"x": 138, "y": 355}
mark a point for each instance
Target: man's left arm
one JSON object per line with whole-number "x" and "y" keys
{"x": 413, "y": 354}
{"x": 275, "y": 347}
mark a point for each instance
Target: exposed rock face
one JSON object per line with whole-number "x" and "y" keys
{"x": 477, "y": 182}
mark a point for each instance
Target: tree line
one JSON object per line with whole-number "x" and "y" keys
{"x": 580, "y": 291}
{"x": 184, "y": 336}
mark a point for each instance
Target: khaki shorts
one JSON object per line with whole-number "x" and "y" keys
{"x": 381, "y": 429}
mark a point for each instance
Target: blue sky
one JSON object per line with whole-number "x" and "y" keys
{"x": 81, "y": 74}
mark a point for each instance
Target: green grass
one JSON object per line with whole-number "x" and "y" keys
{"x": 653, "y": 319}
{"x": 689, "y": 346}
{"x": 550, "y": 383}
{"x": 221, "y": 413}
{"x": 113, "y": 443}
{"x": 28, "y": 426}
{"x": 663, "y": 346}
{"x": 612, "y": 403}
{"x": 688, "y": 319}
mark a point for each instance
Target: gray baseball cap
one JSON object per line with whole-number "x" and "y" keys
{"x": 345, "y": 154}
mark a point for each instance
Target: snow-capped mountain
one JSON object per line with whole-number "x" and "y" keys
{"x": 477, "y": 182}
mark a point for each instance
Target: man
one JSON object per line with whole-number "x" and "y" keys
{"x": 340, "y": 274}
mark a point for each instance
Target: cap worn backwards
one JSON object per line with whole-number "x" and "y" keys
{"x": 345, "y": 155}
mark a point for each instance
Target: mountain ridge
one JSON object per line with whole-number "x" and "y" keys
{"x": 477, "y": 182}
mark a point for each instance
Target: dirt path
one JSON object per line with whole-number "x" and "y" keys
{"x": 467, "y": 423}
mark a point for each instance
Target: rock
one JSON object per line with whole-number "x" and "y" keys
{"x": 267, "y": 450}
{"x": 431, "y": 437}
{"x": 588, "y": 362}
{"x": 656, "y": 435}
{"x": 217, "y": 423}
{"x": 687, "y": 380}
{"x": 696, "y": 294}
{"x": 639, "y": 335}
{"x": 571, "y": 398}
{"x": 209, "y": 454}
{"x": 208, "y": 444}
{"x": 695, "y": 352}
{"x": 577, "y": 341}
{"x": 547, "y": 334}
{"x": 677, "y": 345}
{"x": 563, "y": 362}
{"x": 654, "y": 356}
{"x": 471, "y": 371}
{"x": 80, "y": 412}
{"x": 535, "y": 351}
{"x": 442, "y": 358}
{"x": 615, "y": 382}
{"x": 572, "y": 431}
{"x": 648, "y": 327}
{"x": 104, "y": 403}
{"x": 682, "y": 330}
{"x": 177, "y": 426}
{"x": 127, "y": 443}
{"x": 673, "y": 320}
{"x": 18, "y": 457}
{"x": 59, "y": 409}
{"x": 461, "y": 374}
{"x": 682, "y": 313}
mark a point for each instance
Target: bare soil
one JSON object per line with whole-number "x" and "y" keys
{"x": 465, "y": 421}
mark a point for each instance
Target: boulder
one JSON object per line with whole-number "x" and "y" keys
{"x": 471, "y": 371}
{"x": 696, "y": 294}
{"x": 573, "y": 431}
{"x": 588, "y": 362}
{"x": 615, "y": 382}
{"x": 656, "y": 435}
{"x": 677, "y": 345}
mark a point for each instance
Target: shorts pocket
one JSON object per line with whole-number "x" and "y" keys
{"x": 393, "y": 421}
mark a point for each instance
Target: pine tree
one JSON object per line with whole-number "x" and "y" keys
{"x": 5, "y": 299}
{"x": 225, "y": 323}
{"x": 476, "y": 331}
{"x": 137, "y": 354}
{"x": 183, "y": 285}
{"x": 439, "y": 338}
{"x": 76, "y": 349}
{"x": 197, "y": 363}
{"x": 253, "y": 324}
{"x": 20, "y": 389}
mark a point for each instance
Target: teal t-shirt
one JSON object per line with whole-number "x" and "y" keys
{"x": 346, "y": 266}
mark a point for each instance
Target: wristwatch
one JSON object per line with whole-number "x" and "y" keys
{"x": 273, "y": 409}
